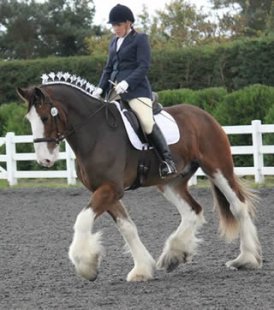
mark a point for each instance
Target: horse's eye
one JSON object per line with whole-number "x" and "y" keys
{"x": 44, "y": 119}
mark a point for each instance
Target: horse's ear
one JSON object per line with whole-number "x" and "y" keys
{"x": 24, "y": 93}
{"x": 38, "y": 95}
{"x": 34, "y": 94}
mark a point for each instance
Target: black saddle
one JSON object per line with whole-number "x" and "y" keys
{"x": 132, "y": 118}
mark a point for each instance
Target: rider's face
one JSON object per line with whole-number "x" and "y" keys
{"x": 121, "y": 29}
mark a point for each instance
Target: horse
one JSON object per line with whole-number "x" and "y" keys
{"x": 62, "y": 107}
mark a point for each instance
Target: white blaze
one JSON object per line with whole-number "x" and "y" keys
{"x": 44, "y": 156}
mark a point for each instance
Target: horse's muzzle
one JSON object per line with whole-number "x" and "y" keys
{"x": 46, "y": 163}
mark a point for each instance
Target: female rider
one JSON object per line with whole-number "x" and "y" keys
{"x": 127, "y": 66}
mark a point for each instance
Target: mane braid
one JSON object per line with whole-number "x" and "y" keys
{"x": 70, "y": 80}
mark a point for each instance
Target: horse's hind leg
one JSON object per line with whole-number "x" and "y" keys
{"x": 236, "y": 205}
{"x": 144, "y": 264}
{"x": 182, "y": 243}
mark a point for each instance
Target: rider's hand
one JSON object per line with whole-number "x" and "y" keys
{"x": 97, "y": 92}
{"x": 121, "y": 87}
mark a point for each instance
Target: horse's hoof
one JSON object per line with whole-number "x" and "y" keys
{"x": 230, "y": 265}
{"x": 139, "y": 278}
{"x": 173, "y": 264}
{"x": 237, "y": 264}
{"x": 92, "y": 279}
{"x": 139, "y": 275}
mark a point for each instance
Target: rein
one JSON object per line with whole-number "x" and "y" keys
{"x": 61, "y": 136}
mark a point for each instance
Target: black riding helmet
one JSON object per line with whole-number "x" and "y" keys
{"x": 120, "y": 14}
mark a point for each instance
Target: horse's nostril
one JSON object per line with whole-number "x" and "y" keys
{"x": 47, "y": 161}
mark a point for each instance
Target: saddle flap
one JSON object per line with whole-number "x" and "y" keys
{"x": 163, "y": 119}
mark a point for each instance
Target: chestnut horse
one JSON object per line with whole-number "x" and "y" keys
{"x": 107, "y": 164}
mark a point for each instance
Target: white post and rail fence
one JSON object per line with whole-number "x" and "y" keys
{"x": 9, "y": 156}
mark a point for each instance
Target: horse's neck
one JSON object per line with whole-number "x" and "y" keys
{"x": 77, "y": 105}
{"x": 79, "y": 109}
{"x": 85, "y": 122}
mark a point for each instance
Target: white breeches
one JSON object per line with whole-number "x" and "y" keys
{"x": 142, "y": 107}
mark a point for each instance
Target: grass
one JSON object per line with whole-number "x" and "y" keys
{"x": 34, "y": 183}
{"x": 247, "y": 180}
{"x": 62, "y": 183}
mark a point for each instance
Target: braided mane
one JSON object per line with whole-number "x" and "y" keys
{"x": 68, "y": 79}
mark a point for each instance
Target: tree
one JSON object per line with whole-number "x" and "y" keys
{"x": 31, "y": 29}
{"x": 179, "y": 24}
{"x": 18, "y": 36}
{"x": 251, "y": 17}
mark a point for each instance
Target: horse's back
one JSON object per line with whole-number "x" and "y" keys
{"x": 192, "y": 113}
{"x": 191, "y": 119}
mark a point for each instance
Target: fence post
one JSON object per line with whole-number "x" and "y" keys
{"x": 193, "y": 180}
{"x": 258, "y": 157}
{"x": 11, "y": 162}
{"x": 70, "y": 165}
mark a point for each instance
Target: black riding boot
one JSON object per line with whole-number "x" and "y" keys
{"x": 157, "y": 140}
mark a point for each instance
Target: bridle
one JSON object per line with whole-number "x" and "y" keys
{"x": 59, "y": 136}
{"x": 54, "y": 113}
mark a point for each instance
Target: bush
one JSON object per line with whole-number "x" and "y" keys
{"x": 245, "y": 105}
{"x": 269, "y": 138}
{"x": 12, "y": 118}
{"x": 173, "y": 97}
{"x": 207, "y": 99}
{"x": 17, "y": 73}
{"x": 240, "y": 108}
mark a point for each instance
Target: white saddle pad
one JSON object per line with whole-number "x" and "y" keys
{"x": 164, "y": 120}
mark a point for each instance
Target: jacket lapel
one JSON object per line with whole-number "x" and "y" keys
{"x": 129, "y": 38}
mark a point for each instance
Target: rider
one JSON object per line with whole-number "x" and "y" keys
{"x": 127, "y": 66}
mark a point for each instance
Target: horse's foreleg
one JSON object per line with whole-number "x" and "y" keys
{"x": 182, "y": 243}
{"x": 143, "y": 262}
{"x": 86, "y": 249}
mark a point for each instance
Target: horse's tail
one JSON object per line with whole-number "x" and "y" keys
{"x": 229, "y": 224}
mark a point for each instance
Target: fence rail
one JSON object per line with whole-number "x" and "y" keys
{"x": 257, "y": 150}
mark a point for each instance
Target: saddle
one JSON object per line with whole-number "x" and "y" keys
{"x": 132, "y": 118}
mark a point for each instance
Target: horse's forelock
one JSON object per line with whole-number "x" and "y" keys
{"x": 36, "y": 96}
{"x": 40, "y": 95}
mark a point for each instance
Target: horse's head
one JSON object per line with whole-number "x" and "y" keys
{"x": 47, "y": 124}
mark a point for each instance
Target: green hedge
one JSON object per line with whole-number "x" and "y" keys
{"x": 12, "y": 118}
{"x": 207, "y": 98}
{"x": 243, "y": 106}
{"x": 24, "y": 73}
{"x": 232, "y": 66}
